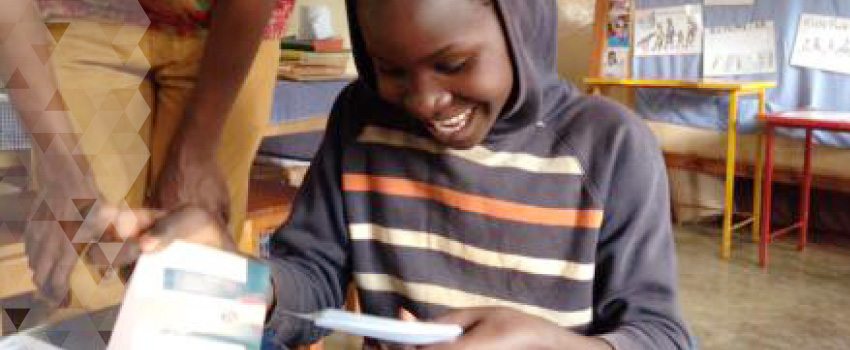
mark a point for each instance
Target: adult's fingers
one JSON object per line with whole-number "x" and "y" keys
{"x": 34, "y": 239}
{"x": 60, "y": 276}
{"x": 128, "y": 253}
{"x": 162, "y": 233}
{"x": 47, "y": 254}
{"x": 190, "y": 224}
{"x": 96, "y": 220}
{"x": 129, "y": 223}
{"x": 224, "y": 209}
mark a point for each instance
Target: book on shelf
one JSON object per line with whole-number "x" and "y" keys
{"x": 296, "y": 71}
{"x": 308, "y": 78}
{"x": 315, "y": 58}
{"x": 320, "y": 45}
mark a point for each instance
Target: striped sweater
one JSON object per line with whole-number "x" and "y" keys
{"x": 571, "y": 225}
{"x": 562, "y": 212}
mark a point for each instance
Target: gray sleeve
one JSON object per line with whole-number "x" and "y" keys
{"x": 635, "y": 292}
{"x": 309, "y": 254}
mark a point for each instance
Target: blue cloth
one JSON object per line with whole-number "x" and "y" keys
{"x": 295, "y": 100}
{"x": 302, "y": 146}
{"x": 797, "y": 88}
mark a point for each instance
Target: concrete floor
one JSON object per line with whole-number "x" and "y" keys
{"x": 801, "y": 302}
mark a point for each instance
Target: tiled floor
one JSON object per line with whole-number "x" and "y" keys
{"x": 801, "y": 302}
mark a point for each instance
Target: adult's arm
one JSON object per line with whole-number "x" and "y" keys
{"x": 191, "y": 176}
{"x": 64, "y": 178}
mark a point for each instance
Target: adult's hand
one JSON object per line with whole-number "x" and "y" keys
{"x": 189, "y": 224}
{"x": 54, "y": 243}
{"x": 192, "y": 179}
{"x": 55, "y": 236}
{"x": 56, "y": 232}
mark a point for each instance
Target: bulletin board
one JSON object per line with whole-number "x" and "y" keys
{"x": 612, "y": 32}
{"x": 802, "y": 45}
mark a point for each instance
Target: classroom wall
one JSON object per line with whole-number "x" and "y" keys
{"x": 575, "y": 33}
{"x": 575, "y": 43}
{"x": 575, "y": 38}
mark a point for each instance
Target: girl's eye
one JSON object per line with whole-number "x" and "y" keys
{"x": 451, "y": 67}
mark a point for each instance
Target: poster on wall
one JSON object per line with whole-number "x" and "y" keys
{"x": 618, "y": 30}
{"x": 619, "y": 26}
{"x": 669, "y": 31}
{"x": 728, "y": 2}
{"x": 615, "y": 63}
{"x": 735, "y": 50}
{"x": 823, "y": 42}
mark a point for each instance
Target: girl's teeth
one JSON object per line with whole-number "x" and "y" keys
{"x": 452, "y": 125}
{"x": 454, "y": 120}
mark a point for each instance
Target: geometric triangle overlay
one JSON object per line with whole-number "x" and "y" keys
{"x": 111, "y": 250}
{"x": 57, "y": 337}
{"x": 17, "y": 316}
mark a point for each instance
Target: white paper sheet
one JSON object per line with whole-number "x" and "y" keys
{"x": 25, "y": 341}
{"x": 192, "y": 297}
{"x": 383, "y": 328}
{"x": 667, "y": 31}
{"x": 749, "y": 49}
{"x": 823, "y": 42}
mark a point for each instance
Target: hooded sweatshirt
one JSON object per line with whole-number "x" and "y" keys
{"x": 561, "y": 212}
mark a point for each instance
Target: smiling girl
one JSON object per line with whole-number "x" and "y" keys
{"x": 461, "y": 180}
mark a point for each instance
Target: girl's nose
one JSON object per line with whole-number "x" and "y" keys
{"x": 427, "y": 100}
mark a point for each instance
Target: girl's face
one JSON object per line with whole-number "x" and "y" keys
{"x": 445, "y": 62}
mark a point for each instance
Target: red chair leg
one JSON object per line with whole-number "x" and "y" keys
{"x": 805, "y": 192}
{"x": 767, "y": 189}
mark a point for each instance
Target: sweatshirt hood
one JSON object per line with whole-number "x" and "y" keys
{"x": 531, "y": 30}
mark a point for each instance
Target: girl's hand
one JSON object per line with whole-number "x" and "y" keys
{"x": 497, "y": 328}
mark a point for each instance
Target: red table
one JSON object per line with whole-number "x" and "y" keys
{"x": 810, "y": 121}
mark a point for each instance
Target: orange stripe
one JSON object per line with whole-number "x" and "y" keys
{"x": 471, "y": 203}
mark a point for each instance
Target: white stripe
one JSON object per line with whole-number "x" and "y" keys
{"x": 453, "y": 298}
{"x": 423, "y": 240}
{"x": 559, "y": 165}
